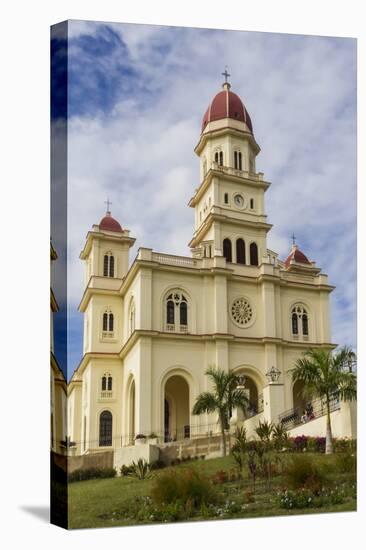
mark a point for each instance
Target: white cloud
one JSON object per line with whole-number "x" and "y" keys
{"x": 300, "y": 94}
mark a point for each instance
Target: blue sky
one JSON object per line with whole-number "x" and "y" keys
{"x": 137, "y": 94}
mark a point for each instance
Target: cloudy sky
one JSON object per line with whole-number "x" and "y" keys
{"x": 137, "y": 94}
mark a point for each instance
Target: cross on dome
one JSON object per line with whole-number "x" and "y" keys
{"x": 226, "y": 85}
{"x": 226, "y": 74}
{"x": 108, "y": 203}
{"x": 293, "y": 239}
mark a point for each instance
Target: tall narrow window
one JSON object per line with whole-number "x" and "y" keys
{"x": 226, "y": 198}
{"x": 183, "y": 313}
{"x": 108, "y": 265}
{"x": 305, "y": 327}
{"x": 295, "y": 326}
{"x": 217, "y": 158}
{"x": 251, "y": 204}
{"x": 235, "y": 159}
{"x": 105, "y": 322}
{"x": 108, "y": 323}
{"x": 170, "y": 312}
{"x": 221, "y": 157}
{"x": 239, "y": 160}
{"x": 176, "y": 312}
{"x": 227, "y": 250}
{"x": 240, "y": 251}
{"x": 300, "y": 321}
{"x": 106, "y": 385}
{"x": 253, "y": 254}
{"x": 105, "y": 429}
{"x": 132, "y": 317}
{"x": 111, "y": 266}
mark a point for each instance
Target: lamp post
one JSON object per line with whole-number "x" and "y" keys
{"x": 273, "y": 375}
{"x": 241, "y": 382}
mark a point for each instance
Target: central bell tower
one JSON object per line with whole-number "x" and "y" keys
{"x": 230, "y": 217}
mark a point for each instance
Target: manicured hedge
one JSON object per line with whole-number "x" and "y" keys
{"x": 91, "y": 473}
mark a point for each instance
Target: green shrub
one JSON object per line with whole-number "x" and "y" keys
{"x": 188, "y": 487}
{"x": 83, "y": 474}
{"x": 345, "y": 445}
{"x": 125, "y": 470}
{"x": 157, "y": 465}
{"x": 303, "y": 472}
{"x": 305, "y": 498}
{"x": 345, "y": 463}
{"x": 140, "y": 469}
{"x": 220, "y": 477}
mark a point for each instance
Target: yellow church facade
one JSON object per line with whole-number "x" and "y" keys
{"x": 152, "y": 328}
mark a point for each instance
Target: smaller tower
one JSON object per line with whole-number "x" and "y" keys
{"x": 106, "y": 251}
{"x": 106, "y": 257}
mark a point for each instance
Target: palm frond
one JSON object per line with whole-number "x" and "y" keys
{"x": 205, "y": 402}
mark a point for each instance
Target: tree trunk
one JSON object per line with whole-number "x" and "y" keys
{"x": 328, "y": 437}
{"x": 222, "y": 422}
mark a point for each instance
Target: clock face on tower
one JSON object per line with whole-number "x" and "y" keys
{"x": 239, "y": 201}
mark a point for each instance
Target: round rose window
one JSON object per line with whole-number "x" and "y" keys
{"x": 241, "y": 312}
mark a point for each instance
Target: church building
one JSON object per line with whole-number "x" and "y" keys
{"x": 152, "y": 328}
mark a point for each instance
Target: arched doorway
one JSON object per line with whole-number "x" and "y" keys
{"x": 176, "y": 409}
{"x": 253, "y": 389}
{"x": 299, "y": 399}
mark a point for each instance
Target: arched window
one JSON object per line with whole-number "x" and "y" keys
{"x": 240, "y": 251}
{"x": 226, "y": 198}
{"x": 237, "y": 160}
{"x": 106, "y": 385}
{"x": 295, "y": 325}
{"x": 176, "y": 312}
{"x": 305, "y": 325}
{"x": 253, "y": 254}
{"x": 170, "y": 309}
{"x": 105, "y": 429}
{"x": 219, "y": 158}
{"x": 299, "y": 321}
{"x": 108, "y": 323}
{"x": 108, "y": 265}
{"x": 227, "y": 250}
{"x": 183, "y": 313}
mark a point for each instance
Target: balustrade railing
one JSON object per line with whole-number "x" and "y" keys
{"x": 314, "y": 409}
{"x": 106, "y": 394}
{"x": 107, "y": 334}
{"x": 169, "y": 259}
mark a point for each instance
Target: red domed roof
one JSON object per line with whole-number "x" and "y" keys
{"x": 110, "y": 224}
{"x": 297, "y": 256}
{"x": 226, "y": 104}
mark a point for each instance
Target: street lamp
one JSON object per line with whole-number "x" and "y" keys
{"x": 241, "y": 382}
{"x": 273, "y": 374}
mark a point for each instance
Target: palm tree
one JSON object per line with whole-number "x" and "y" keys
{"x": 223, "y": 399}
{"x": 327, "y": 375}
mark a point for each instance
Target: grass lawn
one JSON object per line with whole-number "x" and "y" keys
{"x": 108, "y": 502}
